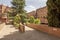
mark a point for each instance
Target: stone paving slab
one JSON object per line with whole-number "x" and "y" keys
{"x": 2, "y": 25}
{"x": 10, "y": 33}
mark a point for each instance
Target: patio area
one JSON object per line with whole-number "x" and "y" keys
{"x": 10, "y": 33}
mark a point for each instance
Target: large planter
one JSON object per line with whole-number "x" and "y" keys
{"x": 45, "y": 28}
{"x": 22, "y": 28}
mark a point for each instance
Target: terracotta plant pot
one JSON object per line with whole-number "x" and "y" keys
{"x": 22, "y": 28}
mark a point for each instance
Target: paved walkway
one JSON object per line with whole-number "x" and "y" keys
{"x": 10, "y": 33}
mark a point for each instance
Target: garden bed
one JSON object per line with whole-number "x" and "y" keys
{"x": 45, "y": 28}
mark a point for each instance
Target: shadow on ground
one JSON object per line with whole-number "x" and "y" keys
{"x": 29, "y": 35}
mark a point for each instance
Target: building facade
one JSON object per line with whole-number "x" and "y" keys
{"x": 40, "y": 13}
{"x": 3, "y": 13}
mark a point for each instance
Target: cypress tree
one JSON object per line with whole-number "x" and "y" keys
{"x": 53, "y": 14}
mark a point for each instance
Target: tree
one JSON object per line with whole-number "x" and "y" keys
{"x": 53, "y": 13}
{"x": 18, "y": 9}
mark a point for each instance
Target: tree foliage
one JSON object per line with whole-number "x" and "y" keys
{"x": 53, "y": 13}
{"x": 18, "y": 9}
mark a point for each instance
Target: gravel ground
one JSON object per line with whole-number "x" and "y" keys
{"x": 10, "y": 33}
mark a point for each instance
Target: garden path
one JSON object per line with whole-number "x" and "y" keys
{"x": 10, "y": 33}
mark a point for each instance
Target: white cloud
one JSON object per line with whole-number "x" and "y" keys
{"x": 36, "y": 3}
{"x": 44, "y": 0}
{"x": 30, "y": 8}
{"x": 30, "y": 4}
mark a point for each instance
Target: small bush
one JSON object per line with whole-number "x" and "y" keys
{"x": 37, "y": 21}
{"x": 16, "y": 25}
{"x": 31, "y": 19}
{"x": 17, "y": 19}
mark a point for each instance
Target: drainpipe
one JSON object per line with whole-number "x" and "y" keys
{"x": 36, "y": 14}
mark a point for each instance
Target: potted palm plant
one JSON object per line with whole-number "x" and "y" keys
{"x": 17, "y": 23}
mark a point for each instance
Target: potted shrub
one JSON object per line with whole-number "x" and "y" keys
{"x": 17, "y": 23}
{"x": 18, "y": 12}
{"x": 21, "y": 28}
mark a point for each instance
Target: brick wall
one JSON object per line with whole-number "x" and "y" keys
{"x": 45, "y": 28}
{"x": 31, "y": 13}
{"x": 3, "y": 12}
{"x": 41, "y": 14}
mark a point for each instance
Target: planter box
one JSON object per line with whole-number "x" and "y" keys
{"x": 22, "y": 28}
{"x": 45, "y": 28}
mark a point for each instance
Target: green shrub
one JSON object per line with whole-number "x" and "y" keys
{"x": 16, "y": 25}
{"x": 37, "y": 21}
{"x": 17, "y": 19}
{"x": 31, "y": 19}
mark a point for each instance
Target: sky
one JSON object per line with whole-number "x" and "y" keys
{"x": 30, "y": 4}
